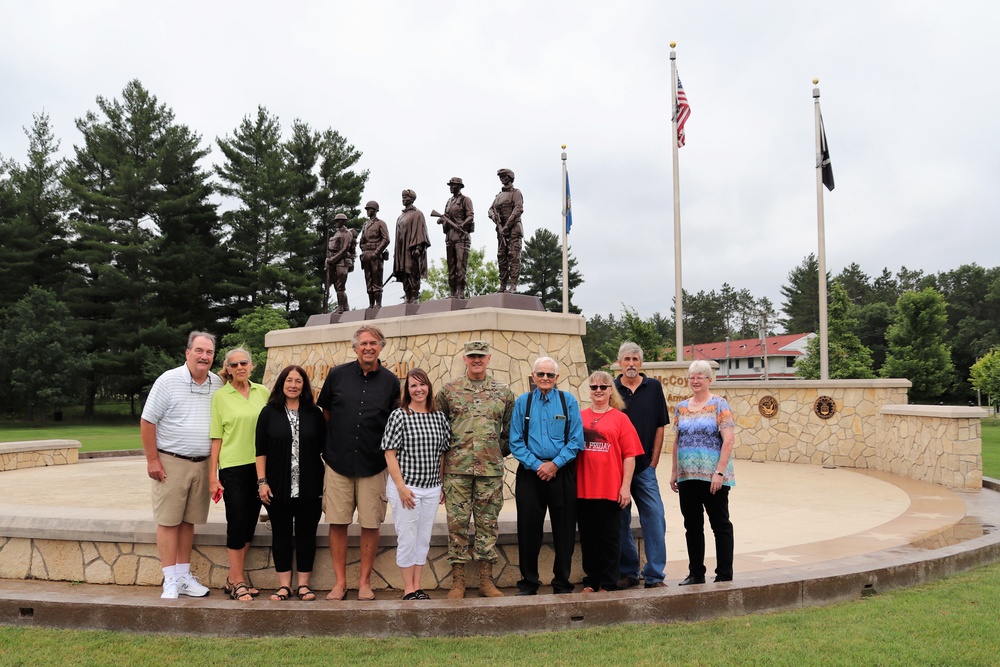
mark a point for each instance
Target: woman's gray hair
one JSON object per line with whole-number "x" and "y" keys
{"x": 703, "y": 367}
{"x": 224, "y": 373}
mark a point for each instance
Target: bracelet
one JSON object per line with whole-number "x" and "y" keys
{"x": 262, "y": 481}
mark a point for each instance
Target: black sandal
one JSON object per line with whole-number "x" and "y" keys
{"x": 238, "y": 592}
{"x": 305, "y": 596}
{"x": 421, "y": 595}
{"x": 278, "y": 596}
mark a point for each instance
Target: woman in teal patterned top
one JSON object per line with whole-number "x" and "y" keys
{"x": 703, "y": 472}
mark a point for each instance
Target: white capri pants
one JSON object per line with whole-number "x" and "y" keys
{"x": 413, "y": 527}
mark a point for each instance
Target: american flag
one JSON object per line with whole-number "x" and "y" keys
{"x": 681, "y": 112}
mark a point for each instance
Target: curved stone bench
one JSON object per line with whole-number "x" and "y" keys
{"x": 38, "y": 453}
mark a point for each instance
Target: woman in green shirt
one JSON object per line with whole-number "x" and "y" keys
{"x": 233, "y": 471}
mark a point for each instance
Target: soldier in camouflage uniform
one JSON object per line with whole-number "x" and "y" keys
{"x": 479, "y": 408}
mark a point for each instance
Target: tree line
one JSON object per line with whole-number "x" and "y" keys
{"x": 110, "y": 256}
{"x": 941, "y": 331}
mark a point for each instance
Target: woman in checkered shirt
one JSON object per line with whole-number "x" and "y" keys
{"x": 415, "y": 440}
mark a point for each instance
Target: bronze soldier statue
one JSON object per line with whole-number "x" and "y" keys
{"x": 374, "y": 241}
{"x": 506, "y": 214}
{"x": 409, "y": 260}
{"x": 458, "y": 223}
{"x": 340, "y": 257}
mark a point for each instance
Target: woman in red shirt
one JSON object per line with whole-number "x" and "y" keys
{"x": 603, "y": 482}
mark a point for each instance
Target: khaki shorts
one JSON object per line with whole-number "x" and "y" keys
{"x": 183, "y": 497}
{"x": 342, "y": 495}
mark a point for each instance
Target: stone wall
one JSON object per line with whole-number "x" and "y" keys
{"x": 37, "y": 453}
{"x": 932, "y": 443}
{"x": 870, "y": 426}
{"x": 434, "y": 343}
{"x": 137, "y": 564}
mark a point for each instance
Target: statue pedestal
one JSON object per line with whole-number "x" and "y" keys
{"x": 434, "y": 342}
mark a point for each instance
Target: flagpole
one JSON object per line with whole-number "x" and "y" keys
{"x": 565, "y": 252}
{"x": 679, "y": 291}
{"x": 824, "y": 340}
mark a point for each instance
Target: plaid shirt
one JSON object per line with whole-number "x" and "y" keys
{"x": 419, "y": 439}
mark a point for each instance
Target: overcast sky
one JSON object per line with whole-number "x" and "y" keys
{"x": 428, "y": 89}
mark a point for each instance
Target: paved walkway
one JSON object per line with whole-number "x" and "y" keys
{"x": 793, "y": 523}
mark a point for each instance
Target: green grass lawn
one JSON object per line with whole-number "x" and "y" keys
{"x": 950, "y": 622}
{"x": 116, "y": 434}
{"x": 991, "y": 448}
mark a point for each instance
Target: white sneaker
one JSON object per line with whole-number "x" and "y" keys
{"x": 169, "y": 589}
{"x": 189, "y": 585}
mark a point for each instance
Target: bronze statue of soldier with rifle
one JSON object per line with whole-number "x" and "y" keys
{"x": 374, "y": 241}
{"x": 340, "y": 257}
{"x": 505, "y": 212}
{"x": 458, "y": 224}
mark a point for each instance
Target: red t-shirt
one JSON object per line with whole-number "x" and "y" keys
{"x": 609, "y": 439}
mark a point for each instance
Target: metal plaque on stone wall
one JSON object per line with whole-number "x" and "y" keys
{"x": 825, "y": 407}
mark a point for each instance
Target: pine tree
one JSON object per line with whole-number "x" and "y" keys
{"x": 801, "y": 305}
{"x": 541, "y": 271}
{"x": 145, "y": 239}
{"x": 33, "y": 222}
{"x": 848, "y": 357}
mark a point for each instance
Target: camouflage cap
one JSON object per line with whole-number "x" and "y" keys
{"x": 455, "y": 180}
{"x": 476, "y": 348}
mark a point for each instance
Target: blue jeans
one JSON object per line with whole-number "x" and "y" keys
{"x": 646, "y": 496}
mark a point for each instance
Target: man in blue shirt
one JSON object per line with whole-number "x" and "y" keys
{"x": 545, "y": 436}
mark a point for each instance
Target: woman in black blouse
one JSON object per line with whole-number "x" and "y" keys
{"x": 290, "y": 437}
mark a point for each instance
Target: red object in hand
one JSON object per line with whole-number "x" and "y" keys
{"x": 218, "y": 496}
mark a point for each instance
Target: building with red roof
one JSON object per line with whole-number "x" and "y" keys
{"x": 744, "y": 359}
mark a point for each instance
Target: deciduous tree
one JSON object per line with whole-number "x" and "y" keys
{"x": 918, "y": 350}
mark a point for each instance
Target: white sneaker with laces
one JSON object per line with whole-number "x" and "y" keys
{"x": 190, "y": 586}
{"x": 169, "y": 589}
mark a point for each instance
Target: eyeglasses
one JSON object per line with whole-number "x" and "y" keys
{"x": 234, "y": 364}
{"x": 602, "y": 387}
{"x": 204, "y": 388}
{"x": 543, "y": 374}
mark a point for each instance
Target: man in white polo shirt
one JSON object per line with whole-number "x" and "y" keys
{"x": 175, "y": 437}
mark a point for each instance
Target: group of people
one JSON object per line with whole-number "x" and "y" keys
{"x": 409, "y": 257}
{"x": 365, "y": 444}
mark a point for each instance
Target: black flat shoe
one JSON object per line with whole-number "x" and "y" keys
{"x": 721, "y": 579}
{"x": 692, "y": 580}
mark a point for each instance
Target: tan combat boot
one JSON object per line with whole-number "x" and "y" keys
{"x": 457, "y": 581}
{"x": 487, "y": 588}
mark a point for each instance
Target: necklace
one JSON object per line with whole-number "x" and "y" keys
{"x": 597, "y": 419}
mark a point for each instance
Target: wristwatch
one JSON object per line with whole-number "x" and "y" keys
{"x": 722, "y": 474}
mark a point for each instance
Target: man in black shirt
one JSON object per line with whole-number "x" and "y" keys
{"x": 647, "y": 410}
{"x": 356, "y": 399}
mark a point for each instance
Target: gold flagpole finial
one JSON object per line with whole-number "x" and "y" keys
{"x": 673, "y": 45}
{"x": 815, "y": 80}
{"x": 564, "y": 146}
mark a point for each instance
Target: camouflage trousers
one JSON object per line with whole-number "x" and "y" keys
{"x": 465, "y": 497}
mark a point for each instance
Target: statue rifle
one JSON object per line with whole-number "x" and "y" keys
{"x": 445, "y": 219}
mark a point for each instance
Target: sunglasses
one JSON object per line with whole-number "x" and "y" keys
{"x": 542, "y": 374}
{"x": 234, "y": 364}
{"x": 602, "y": 387}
